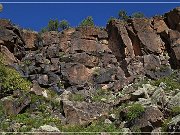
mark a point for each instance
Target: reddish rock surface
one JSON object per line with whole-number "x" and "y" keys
{"x": 30, "y": 37}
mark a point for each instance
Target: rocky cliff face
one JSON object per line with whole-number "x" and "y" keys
{"x": 82, "y": 60}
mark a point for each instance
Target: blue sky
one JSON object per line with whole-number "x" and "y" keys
{"x": 36, "y": 16}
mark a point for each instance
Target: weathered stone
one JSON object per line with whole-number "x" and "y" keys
{"x": 174, "y": 101}
{"x": 82, "y": 58}
{"x": 83, "y": 113}
{"x": 144, "y": 102}
{"x": 150, "y": 119}
{"x": 135, "y": 66}
{"x": 150, "y": 41}
{"x": 13, "y": 106}
{"x": 121, "y": 100}
{"x": 107, "y": 121}
{"x": 157, "y": 131}
{"x": 159, "y": 97}
{"x": 105, "y": 76}
{"x": 128, "y": 89}
{"x": 119, "y": 39}
{"x": 48, "y": 128}
{"x": 53, "y": 51}
{"x": 90, "y": 32}
{"x": 115, "y": 42}
{"x": 76, "y": 73}
{"x": 30, "y": 38}
{"x": 151, "y": 62}
{"x": 140, "y": 93}
{"x": 89, "y": 46}
{"x": 175, "y": 47}
{"x": 8, "y": 57}
{"x": 40, "y": 59}
{"x": 126, "y": 131}
{"x": 173, "y": 19}
{"x": 159, "y": 25}
{"x": 50, "y": 38}
{"x": 107, "y": 60}
{"x": 43, "y": 80}
{"x": 36, "y": 89}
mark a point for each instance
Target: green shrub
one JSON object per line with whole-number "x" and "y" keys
{"x": 175, "y": 110}
{"x": 77, "y": 97}
{"x": 138, "y": 15}
{"x": 170, "y": 81}
{"x": 134, "y": 111}
{"x": 1, "y": 111}
{"x": 64, "y": 24}
{"x": 165, "y": 124}
{"x": 88, "y": 21}
{"x": 53, "y": 25}
{"x": 11, "y": 80}
{"x": 123, "y": 15}
{"x": 101, "y": 94}
{"x": 33, "y": 121}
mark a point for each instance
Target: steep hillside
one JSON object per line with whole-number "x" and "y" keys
{"x": 122, "y": 78}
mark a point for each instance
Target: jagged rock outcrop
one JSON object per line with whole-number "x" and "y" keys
{"x": 72, "y": 58}
{"x": 11, "y": 38}
{"x": 138, "y": 41}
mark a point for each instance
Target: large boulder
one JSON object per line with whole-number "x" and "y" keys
{"x": 173, "y": 19}
{"x": 82, "y": 112}
{"x": 119, "y": 40}
{"x": 159, "y": 25}
{"x": 8, "y": 57}
{"x": 75, "y": 73}
{"x": 13, "y": 106}
{"x": 150, "y": 119}
{"x": 150, "y": 42}
{"x": 30, "y": 38}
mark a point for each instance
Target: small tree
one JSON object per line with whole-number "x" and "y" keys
{"x": 64, "y": 24}
{"x": 1, "y": 7}
{"x": 138, "y": 15}
{"x": 53, "y": 25}
{"x": 123, "y": 15}
{"x": 88, "y": 21}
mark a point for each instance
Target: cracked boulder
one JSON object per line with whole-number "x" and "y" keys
{"x": 75, "y": 73}
{"x": 82, "y": 112}
{"x": 149, "y": 120}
